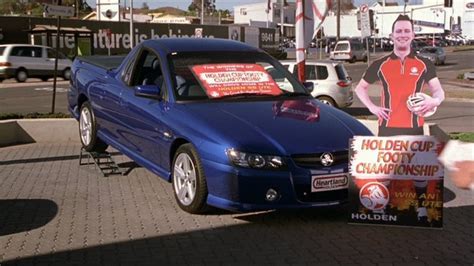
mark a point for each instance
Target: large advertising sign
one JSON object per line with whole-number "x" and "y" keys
{"x": 220, "y": 80}
{"x": 115, "y": 36}
{"x": 399, "y": 181}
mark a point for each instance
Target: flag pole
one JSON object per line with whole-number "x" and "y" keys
{"x": 300, "y": 42}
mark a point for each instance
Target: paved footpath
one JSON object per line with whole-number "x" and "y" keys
{"x": 55, "y": 212}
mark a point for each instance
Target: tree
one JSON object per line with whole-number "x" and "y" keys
{"x": 145, "y": 6}
{"x": 346, "y": 6}
{"x": 209, "y": 5}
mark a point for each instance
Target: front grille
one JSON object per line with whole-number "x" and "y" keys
{"x": 313, "y": 160}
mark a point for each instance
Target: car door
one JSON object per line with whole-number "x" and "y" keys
{"x": 142, "y": 127}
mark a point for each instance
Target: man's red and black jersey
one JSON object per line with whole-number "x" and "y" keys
{"x": 400, "y": 79}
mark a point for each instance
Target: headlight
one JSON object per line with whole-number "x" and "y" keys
{"x": 252, "y": 160}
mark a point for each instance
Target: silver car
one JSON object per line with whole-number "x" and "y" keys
{"x": 332, "y": 85}
{"x": 22, "y": 61}
{"x": 434, "y": 54}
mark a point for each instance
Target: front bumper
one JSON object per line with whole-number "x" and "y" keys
{"x": 239, "y": 189}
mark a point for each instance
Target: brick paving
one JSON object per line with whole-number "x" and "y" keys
{"x": 55, "y": 212}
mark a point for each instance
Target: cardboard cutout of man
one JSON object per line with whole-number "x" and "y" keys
{"x": 403, "y": 75}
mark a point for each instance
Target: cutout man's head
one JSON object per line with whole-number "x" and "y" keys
{"x": 402, "y": 33}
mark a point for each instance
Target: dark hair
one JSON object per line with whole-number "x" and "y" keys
{"x": 402, "y": 18}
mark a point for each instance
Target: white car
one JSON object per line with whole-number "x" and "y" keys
{"x": 331, "y": 83}
{"x": 22, "y": 61}
{"x": 350, "y": 51}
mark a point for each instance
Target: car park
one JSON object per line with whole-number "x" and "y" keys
{"x": 23, "y": 61}
{"x": 216, "y": 125}
{"x": 331, "y": 83}
{"x": 350, "y": 51}
{"x": 434, "y": 54}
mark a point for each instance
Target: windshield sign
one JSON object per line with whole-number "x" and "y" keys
{"x": 220, "y": 80}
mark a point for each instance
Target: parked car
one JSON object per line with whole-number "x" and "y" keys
{"x": 331, "y": 83}
{"x": 23, "y": 61}
{"x": 417, "y": 45}
{"x": 350, "y": 51}
{"x": 434, "y": 54}
{"x": 216, "y": 125}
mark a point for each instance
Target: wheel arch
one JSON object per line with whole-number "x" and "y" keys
{"x": 80, "y": 100}
{"x": 327, "y": 96}
{"x": 178, "y": 142}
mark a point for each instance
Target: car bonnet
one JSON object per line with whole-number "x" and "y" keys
{"x": 278, "y": 127}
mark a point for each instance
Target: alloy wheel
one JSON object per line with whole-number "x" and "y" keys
{"x": 85, "y": 126}
{"x": 184, "y": 179}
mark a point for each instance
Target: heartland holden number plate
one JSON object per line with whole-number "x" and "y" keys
{"x": 329, "y": 182}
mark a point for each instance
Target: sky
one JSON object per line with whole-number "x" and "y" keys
{"x": 220, "y": 4}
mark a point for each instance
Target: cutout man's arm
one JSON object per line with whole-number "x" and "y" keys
{"x": 362, "y": 91}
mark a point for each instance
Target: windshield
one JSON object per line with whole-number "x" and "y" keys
{"x": 342, "y": 47}
{"x": 229, "y": 75}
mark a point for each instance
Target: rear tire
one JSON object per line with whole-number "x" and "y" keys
{"x": 189, "y": 181}
{"x": 21, "y": 75}
{"x": 365, "y": 59}
{"x": 327, "y": 100}
{"x": 44, "y": 78}
{"x": 88, "y": 130}
{"x": 352, "y": 60}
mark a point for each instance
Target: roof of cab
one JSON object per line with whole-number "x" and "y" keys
{"x": 199, "y": 45}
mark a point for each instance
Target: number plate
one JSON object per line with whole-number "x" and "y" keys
{"x": 329, "y": 182}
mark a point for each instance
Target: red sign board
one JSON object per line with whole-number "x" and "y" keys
{"x": 219, "y": 80}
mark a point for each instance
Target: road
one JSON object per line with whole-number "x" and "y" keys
{"x": 452, "y": 116}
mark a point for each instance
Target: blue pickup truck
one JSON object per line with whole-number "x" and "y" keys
{"x": 208, "y": 116}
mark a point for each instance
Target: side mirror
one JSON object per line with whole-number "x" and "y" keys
{"x": 309, "y": 86}
{"x": 148, "y": 91}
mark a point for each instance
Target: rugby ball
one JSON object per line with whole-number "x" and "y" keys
{"x": 416, "y": 99}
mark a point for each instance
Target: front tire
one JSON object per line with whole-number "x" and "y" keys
{"x": 88, "y": 130}
{"x": 189, "y": 181}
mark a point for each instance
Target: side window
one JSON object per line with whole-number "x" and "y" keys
{"x": 309, "y": 71}
{"x": 36, "y": 52}
{"x": 147, "y": 70}
{"x": 322, "y": 72}
{"x": 25, "y": 51}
